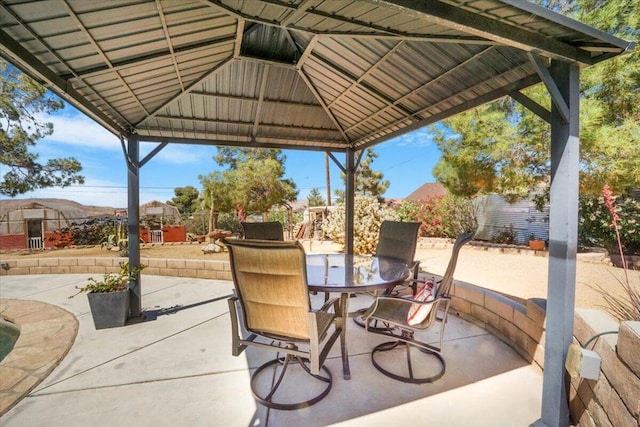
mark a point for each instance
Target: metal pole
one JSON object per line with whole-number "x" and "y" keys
{"x": 133, "y": 221}
{"x": 327, "y": 177}
{"x": 349, "y": 200}
{"x": 563, "y": 242}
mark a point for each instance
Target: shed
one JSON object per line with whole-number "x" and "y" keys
{"x": 32, "y": 223}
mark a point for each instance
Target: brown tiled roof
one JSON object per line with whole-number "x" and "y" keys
{"x": 428, "y": 190}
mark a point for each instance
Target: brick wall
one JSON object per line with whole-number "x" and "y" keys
{"x": 10, "y": 242}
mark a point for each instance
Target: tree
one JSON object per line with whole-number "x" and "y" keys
{"x": 315, "y": 198}
{"x": 216, "y": 195}
{"x": 185, "y": 199}
{"x": 368, "y": 181}
{"x": 253, "y": 182}
{"x": 20, "y": 127}
{"x": 502, "y": 147}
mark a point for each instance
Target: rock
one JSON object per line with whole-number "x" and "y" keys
{"x": 211, "y": 248}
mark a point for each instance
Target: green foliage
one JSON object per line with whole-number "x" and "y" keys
{"x": 94, "y": 231}
{"x": 315, "y": 198}
{"x": 595, "y": 229}
{"x": 505, "y": 236}
{"x": 281, "y": 214}
{"x": 112, "y": 282}
{"x": 368, "y": 181}
{"x": 229, "y": 221}
{"x": 186, "y": 199}
{"x": 441, "y": 216}
{"x": 368, "y": 216}
{"x": 504, "y": 148}
{"x": 253, "y": 182}
{"x": 21, "y": 101}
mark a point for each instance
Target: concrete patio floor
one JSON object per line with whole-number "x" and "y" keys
{"x": 176, "y": 368}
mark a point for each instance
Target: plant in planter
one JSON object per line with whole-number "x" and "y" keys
{"x": 535, "y": 244}
{"x": 109, "y": 296}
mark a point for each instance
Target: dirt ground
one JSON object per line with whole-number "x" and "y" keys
{"x": 523, "y": 276}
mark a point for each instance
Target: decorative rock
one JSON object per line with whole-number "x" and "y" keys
{"x": 211, "y": 248}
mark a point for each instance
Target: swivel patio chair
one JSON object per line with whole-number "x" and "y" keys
{"x": 405, "y": 316}
{"x": 398, "y": 240}
{"x": 272, "y": 302}
{"x": 263, "y": 230}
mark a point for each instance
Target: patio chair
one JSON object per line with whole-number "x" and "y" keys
{"x": 398, "y": 240}
{"x": 263, "y": 230}
{"x": 402, "y": 315}
{"x": 272, "y": 300}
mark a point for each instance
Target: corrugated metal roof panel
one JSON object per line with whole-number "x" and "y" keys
{"x": 356, "y": 68}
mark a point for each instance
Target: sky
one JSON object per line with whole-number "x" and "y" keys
{"x": 406, "y": 162}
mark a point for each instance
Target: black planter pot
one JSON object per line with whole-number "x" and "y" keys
{"x": 109, "y": 309}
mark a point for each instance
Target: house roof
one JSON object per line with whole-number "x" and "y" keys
{"x": 306, "y": 74}
{"x": 427, "y": 190}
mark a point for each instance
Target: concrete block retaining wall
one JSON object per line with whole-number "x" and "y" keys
{"x": 614, "y": 398}
{"x": 203, "y": 269}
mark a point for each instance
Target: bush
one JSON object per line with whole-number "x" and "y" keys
{"x": 595, "y": 230}
{"x": 368, "y": 216}
{"x": 441, "y": 216}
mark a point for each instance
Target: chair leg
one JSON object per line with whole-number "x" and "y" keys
{"x": 268, "y": 399}
{"x": 411, "y": 378}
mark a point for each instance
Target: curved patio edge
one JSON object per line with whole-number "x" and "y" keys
{"x": 47, "y": 333}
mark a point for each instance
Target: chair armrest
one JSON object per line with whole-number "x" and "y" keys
{"x": 328, "y": 303}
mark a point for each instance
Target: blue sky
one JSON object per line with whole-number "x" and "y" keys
{"x": 407, "y": 162}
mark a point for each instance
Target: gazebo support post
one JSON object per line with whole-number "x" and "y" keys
{"x": 133, "y": 220}
{"x": 563, "y": 241}
{"x": 349, "y": 200}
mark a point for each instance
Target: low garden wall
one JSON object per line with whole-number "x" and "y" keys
{"x": 614, "y": 398}
{"x": 202, "y": 269}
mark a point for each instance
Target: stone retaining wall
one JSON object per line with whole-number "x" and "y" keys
{"x": 614, "y": 398}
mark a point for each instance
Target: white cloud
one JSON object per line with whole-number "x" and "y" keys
{"x": 179, "y": 154}
{"x": 419, "y": 137}
{"x": 80, "y": 130}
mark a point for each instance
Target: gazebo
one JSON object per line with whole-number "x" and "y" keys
{"x": 332, "y": 76}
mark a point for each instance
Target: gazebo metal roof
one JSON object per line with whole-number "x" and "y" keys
{"x": 326, "y": 75}
{"x": 317, "y": 75}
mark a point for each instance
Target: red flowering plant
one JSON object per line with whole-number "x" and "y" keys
{"x": 628, "y": 308}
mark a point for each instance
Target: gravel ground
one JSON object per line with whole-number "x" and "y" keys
{"x": 524, "y": 276}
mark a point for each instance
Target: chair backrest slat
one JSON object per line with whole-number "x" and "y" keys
{"x": 270, "y": 279}
{"x": 444, "y": 286}
{"x": 271, "y": 230}
{"x": 398, "y": 240}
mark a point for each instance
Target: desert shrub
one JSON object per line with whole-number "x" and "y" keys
{"x": 368, "y": 216}
{"x": 229, "y": 221}
{"x": 92, "y": 232}
{"x": 505, "y": 235}
{"x": 594, "y": 224}
{"x": 441, "y": 216}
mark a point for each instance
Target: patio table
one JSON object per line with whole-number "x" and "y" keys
{"x": 349, "y": 274}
